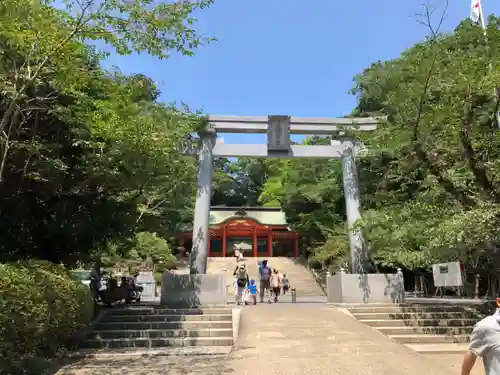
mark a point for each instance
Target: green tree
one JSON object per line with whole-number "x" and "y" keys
{"x": 430, "y": 184}
{"x": 88, "y": 157}
{"x": 311, "y": 194}
{"x": 438, "y": 196}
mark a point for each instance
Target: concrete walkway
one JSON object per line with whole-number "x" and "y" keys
{"x": 319, "y": 339}
{"x": 291, "y": 339}
{"x": 454, "y": 361}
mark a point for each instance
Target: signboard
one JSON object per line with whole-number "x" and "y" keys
{"x": 278, "y": 133}
{"x": 447, "y": 274}
{"x": 146, "y": 279}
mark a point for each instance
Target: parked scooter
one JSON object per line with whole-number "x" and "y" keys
{"x": 132, "y": 291}
{"x": 136, "y": 289}
{"x": 114, "y": 294}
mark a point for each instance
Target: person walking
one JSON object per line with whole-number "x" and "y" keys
{"x": 252, "y": 290}
{"x": 276, "y": 284}
{"x": 238, "y": 255}
{"x": 286, "y": 284}
{"x": 485, "y": 343}
{"x": 242, "y": 281}
{"x": 265, "y": 281}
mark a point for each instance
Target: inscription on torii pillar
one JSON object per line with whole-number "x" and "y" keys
{"x": 278, "y": 130}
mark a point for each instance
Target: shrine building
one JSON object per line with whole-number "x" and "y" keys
{"x": 255, "y": 231}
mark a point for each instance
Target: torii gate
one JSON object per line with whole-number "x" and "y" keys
{"x": 278, "y": 129}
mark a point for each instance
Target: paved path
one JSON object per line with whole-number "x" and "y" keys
{"x": 454, "y": 361}
{"x": 286, "y": 339}
{"x": 319, "y": 340}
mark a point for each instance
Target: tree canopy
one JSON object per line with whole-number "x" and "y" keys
{"x": 88, "y": 156}
{"x": 430, "y": 183}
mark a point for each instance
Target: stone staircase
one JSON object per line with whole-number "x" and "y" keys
{"x": 424, "y": 328}
{"x": 156, "y": 327}
{"x": 300, "y": 277}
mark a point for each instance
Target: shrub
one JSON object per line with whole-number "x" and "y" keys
{"x": 170, "y": 264}
{"x": 41, "y": 308}
{"x": 158, "y": 277}
{"x": 151, "y": 246}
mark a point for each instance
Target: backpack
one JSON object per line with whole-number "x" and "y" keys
{"x": 265, "y": 273}
{"x": 241, "y": 277}
{"x": 241, "y": 273}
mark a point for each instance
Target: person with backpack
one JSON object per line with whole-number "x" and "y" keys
{"x": 242, "y": 281}
{"x": 265, "y": 281}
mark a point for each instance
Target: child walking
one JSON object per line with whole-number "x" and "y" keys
{"x": 252, "y": 289}
{"x": 286, "y": 284}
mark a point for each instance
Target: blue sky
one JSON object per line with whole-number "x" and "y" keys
{"x": 289, "y": 57}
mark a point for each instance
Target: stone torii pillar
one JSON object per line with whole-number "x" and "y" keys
{"x": 201, "y": 221}
{"x": 357, "y": 249}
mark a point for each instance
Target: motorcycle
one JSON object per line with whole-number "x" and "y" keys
{"x": 134, "y": 290}
{"x": 113, "y": 294}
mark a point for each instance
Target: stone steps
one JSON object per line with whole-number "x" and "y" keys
{"x": 170, "y": 311}
{"x": 193, "y": 324}
{"x": 418, "y": 322}
{"x": 423, "y": 327}
{"x": 440, "y": 330}
{"x": 161, "y": 333}
{"x": 134, "y": 353}
{"x": 300, "y": 277}
{"x": 167, "y": 318}
{"x": 446, "y": 348}
{"x": 154, "y": 327}
{"x": 429, "y": 339}
{"x": 412, "y": 315}
{"x": 397, "y": 309}
{"x": 155, "y": 343}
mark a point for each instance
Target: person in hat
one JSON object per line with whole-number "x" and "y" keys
{"x": 485, "y": 343}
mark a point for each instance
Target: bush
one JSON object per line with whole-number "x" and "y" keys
{"x": 158, "y": 277}
{"x": 170, "y": 264}
{"x": 41, "y": 308}
{"x": 151, "y": 246}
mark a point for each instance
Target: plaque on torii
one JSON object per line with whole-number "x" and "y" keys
{"x": 278, "y": 130}
{"x": 278, "y": 134}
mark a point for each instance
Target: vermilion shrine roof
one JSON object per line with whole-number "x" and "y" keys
{"x": 262, "y": 215}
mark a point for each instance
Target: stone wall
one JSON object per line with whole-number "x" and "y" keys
{"x": 193, "y": 290}
{"x": 365, "y": 288}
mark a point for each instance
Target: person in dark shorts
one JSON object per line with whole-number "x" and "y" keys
{"x": 242, "y": 281}
{"x": 265, "y": 281}
{"x": 276, "y": 284}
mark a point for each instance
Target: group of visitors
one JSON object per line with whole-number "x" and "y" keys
{"x": 271, "y": 283}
